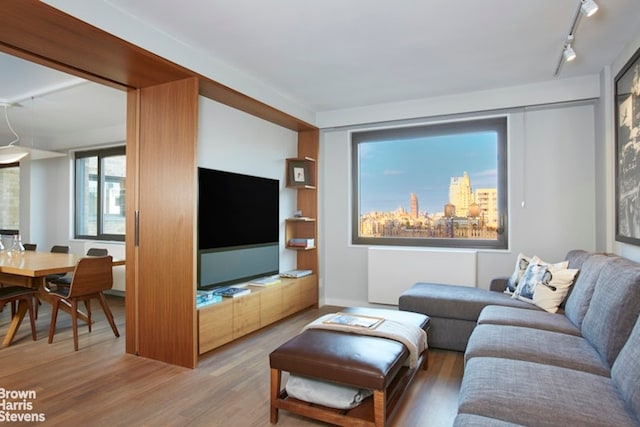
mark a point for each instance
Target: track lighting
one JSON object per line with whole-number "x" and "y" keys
{"x": 583, "y": 7}
{"x": 589, "y": 7}
{"x": 569, "y": 54}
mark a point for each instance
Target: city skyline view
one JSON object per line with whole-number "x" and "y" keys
{"x": 390, "y": 171}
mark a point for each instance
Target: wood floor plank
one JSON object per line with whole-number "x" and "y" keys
{"x": 100, "y": 385}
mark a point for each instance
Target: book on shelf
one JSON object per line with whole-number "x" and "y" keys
{"x": 265, "y": 281}
{"x": 204, "y": 297}
{"x": 294, "y": 274}
{"x": 356, "y": 320}
{"x": 232, "y": 292}
{"x": 300, "y": 218}
{"x": 302, "y": 243}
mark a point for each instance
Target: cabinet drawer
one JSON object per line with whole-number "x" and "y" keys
{"x": 246, "y": 314}
{"x": 270, "y": 305}
{"x": 214, "y": 326}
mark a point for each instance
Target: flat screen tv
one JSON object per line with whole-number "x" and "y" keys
{"x": 238, "y": 227}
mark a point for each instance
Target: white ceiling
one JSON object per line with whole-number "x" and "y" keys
{"x": 335, "y": 54}
{"x": 56, "y": 111}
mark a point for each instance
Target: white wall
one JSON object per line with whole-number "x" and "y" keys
{"x": 47, "y": 213}
{"x": 551, "y": 164}
{"x": 541, "y": 93}
{"x": 234, "y": 141}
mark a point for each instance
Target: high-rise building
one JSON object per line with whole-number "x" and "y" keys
{"x": 414, "y": 206}
{"x": 487, "y": 200}
{"x": 460, "y": 194}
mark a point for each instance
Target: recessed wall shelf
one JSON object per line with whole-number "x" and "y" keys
{"x": 301, "y": 173}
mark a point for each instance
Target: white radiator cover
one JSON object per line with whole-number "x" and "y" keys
{"x": 393, "y": 270}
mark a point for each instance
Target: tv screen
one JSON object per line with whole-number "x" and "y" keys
{"x": 238, "y": 227}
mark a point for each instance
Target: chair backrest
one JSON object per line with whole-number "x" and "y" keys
{"x": 97, "y": 252}
{"x": 29, "y": 246}
{"x": 60, "y": 249}
{"x": 92, "y": 275}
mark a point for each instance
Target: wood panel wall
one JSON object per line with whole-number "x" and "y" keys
{"x": 167, "y": 200}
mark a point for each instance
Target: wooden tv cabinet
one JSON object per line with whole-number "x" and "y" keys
{"x": 233, "y": 318}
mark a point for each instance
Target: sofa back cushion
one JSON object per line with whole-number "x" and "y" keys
{"x": 576, "y": 257}
{"x": 614, "y": 307}
{"x": 577, "y": 302}
{"x": 625, "y": 372}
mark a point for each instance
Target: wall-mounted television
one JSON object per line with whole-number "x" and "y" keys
{"x": 238, "y": 227}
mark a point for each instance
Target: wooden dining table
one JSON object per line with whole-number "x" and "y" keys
{"x": 28, "y": 269}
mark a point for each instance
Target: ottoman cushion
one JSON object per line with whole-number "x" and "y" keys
{"x": 358, "y": 360}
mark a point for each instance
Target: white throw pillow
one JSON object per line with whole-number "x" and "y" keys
{"x": 545, "y": 285}
{"x": 536, "y": 260}
{"x": 522, "y": 262}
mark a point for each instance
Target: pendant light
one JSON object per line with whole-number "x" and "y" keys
{"x": 11, "y": 153}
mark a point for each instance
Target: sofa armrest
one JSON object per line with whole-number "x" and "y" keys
{"x": 499, "y": 284}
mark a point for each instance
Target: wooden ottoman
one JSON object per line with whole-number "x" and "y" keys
{"x": 350, "y": 359}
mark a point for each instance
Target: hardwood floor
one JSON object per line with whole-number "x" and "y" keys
{"x": 100, "y": 385}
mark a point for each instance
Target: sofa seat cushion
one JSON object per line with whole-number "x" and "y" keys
{"x": 520, "y": 392}
{"x": 451, "y": 301}
{"x": 535, "y": 345}
{"x": 470, "y": 420}
{"x": 614, "y": 307}
{"x": 513, "y": 316}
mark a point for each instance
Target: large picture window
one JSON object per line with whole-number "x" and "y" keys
{"x": 440, "y": 185}
{"x": 100, "y": 194}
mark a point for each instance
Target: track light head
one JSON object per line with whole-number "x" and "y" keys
{"x": 569, "y": 53}
{"x": 588, "y": 7}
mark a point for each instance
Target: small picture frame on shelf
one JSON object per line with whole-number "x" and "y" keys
{"x": 298, "y": 173}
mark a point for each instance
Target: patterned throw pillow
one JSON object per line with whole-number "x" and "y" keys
{"x": 545, "y": 285}
{"x": 522, "y": 262}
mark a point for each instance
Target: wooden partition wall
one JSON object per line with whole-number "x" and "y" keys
{"x": 161, "y": 163}
{"x": 161, "y": 195}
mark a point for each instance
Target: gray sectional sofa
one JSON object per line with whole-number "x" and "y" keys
{"x": 524, "y": 366}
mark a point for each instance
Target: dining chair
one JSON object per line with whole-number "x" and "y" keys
{"x": 19, "y": 294}
{"x": 58, "y": 249}
{"x": 91, "y": 276}
{"x": 29, "y": 246}
{"x": 65, "y": 280}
